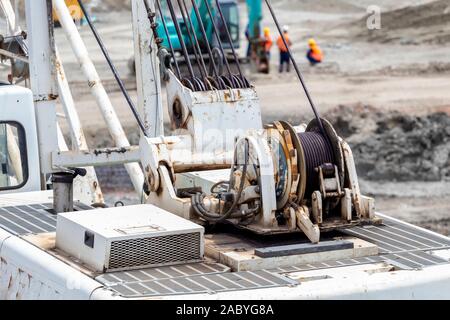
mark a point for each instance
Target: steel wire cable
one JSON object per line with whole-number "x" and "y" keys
{"x": 317, "y": 151}
{"x": 166, "y": 31}
{"x": 113, "y": 69}
{"x": 208, "y": 48}
{"x": 193, "y": 38}
{"x": 219, "y": 41}
{"x": 297, "y": 70}
{"x": 227, "y": 32}
{"x": 180, "y": 38}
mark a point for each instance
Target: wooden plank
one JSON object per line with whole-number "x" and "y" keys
{"x": 303, "y": 248}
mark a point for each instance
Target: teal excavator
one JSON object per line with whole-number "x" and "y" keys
{"x": 192, "y": 32}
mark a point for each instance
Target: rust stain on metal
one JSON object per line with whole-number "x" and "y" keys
{"x": 227, "y": 96}
{"x": 58, "y": 69}
{"x": 109, "y": 151}
{"x": 46, "y": 97}
{"x": 10, "y": 282}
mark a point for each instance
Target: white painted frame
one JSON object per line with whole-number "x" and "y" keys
{"x": 43, "y": 78}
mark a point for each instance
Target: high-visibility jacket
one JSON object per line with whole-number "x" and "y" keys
{"x": 74, "y": 9}
{"x": 268, "y": 43}
{"x": 280, "y": 43}
{"x": 316, "y": 53}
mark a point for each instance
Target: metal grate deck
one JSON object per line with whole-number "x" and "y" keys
{"x": 130, "y": 285}
{"x": 328, "y": 264}
{"x": 160, "y": 273}
{"x": 31, "y": 219}
{"x": 398, "y": 237}
{"x": 402, "y": 244}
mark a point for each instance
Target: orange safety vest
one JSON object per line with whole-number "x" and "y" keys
{"x": 267, "y": 43}
{"x": 316, "y": 53}
{"x": 281, "y": 45}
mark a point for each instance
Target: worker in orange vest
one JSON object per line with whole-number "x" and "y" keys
{"x": 284, "y": 54}
{"x": 314, "y": 54}
{"x": 268, "y": 43}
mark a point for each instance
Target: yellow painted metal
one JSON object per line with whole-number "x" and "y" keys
{"x": 74, "y": 9}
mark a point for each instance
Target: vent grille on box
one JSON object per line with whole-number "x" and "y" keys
{"x": 155, "y": 251}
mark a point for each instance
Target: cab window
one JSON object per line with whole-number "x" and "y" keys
{"x": 13, "y": 156}
{"x": 233, "y": 24}
{"x": 231, "y": 15}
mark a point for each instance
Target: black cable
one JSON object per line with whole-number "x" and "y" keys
{"x": 180, "y": 38}
{"x": 197, "y": 199}
{"x": 193, "y": 38}
{"x": 219, "y": 183}
{"x": 216, "y": 33}
{"x": 230, "y": 41}
{"x": 208, "y": 48}
{"x": 297, "y": 70}
{"x": 166, "y": 31}
{"x": 114, "y": 70}
{"x": 317, "y": 152}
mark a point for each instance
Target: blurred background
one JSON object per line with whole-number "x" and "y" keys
{"x": 386, "y": 90}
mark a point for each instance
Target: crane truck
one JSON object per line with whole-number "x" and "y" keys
{"x": 293, "y": 221}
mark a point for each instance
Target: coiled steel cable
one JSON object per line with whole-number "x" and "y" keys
{"x": 317, "y": 151}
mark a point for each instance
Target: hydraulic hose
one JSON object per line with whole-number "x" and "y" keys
{"x": 197, "y": 199}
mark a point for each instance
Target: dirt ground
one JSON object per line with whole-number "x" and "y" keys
{"x": 386, "y": 91}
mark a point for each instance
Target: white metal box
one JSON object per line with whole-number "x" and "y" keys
{"x": 129, "y": 237}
